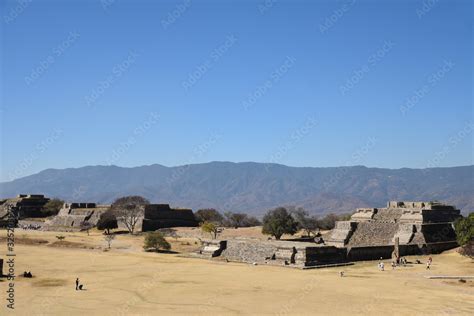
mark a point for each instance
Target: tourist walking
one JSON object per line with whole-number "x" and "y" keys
{"x": 77, "y": 284}
{"x": 381, "y": 266}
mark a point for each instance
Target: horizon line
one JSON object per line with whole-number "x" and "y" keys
{"x": 233, "y": 162}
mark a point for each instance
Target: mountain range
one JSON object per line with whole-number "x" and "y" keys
{"x": 253, "y": 187}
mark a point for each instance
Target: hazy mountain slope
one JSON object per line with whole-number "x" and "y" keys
{"x": 253, "y": 187}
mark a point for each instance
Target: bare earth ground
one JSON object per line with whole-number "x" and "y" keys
{"x": 127, "y": 281}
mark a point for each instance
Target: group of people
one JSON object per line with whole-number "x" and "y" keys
{"x": 400, "y": 261}
{"x": 403, "y": 261}
{"x": 79, "y": 286}
{"x": 30, "y": 226}
{"x": 27, "y": 274}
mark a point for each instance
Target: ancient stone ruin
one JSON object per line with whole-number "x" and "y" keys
{"x": 24, "y": 206}
{"x": 420, "y": 227}
{"x": 72, "y": 215}
{"x": 400, "y": 229}
{"x": 158, "y": 216}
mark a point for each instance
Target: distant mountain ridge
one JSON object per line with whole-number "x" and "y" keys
{"x": 253, "y": 187}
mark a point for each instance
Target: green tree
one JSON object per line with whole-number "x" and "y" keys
{"x": 309, "y": 224}
{"x": 52, "y": 207}
{"x": 278, "y": 222}
{"x": 237, "y": 220}
{"x": 252, "y": 221}
{"x": 211, "y": 228}
{"x": 107, "y": 221}
{"x": 129, "y": 210}
{"x": 156, "y": 241}
{"x": 329, "y": 221}
{"x": 209, "y": 215}
{"x": 465, "y": 230}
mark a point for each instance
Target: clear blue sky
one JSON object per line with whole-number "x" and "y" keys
{"x": 302, "y": 83}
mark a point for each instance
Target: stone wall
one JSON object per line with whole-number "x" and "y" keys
{"x": 284, "y": 253}
{"x": 249, "y": 251}
{"x": 212, "y": 248}
{"x": 159, "y": 216}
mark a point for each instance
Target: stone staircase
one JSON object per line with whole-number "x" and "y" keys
{"x": 374, "y": 233}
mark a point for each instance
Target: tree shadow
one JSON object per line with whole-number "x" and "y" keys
{"x": 162, "y": 251}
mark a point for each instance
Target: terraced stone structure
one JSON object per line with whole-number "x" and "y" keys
{"x": 24, "y": 206}
{"x": 72, "y": 215}
{"x": 400, "y": 229}
{"x": 422, "y": 227}
{"x": 158, "y": 216}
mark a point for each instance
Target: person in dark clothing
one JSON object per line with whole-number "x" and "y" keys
{"x": 77, "y": 284}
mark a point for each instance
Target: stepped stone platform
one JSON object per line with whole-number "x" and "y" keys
{"x": 23, "y": 206}
{"x": 292, "y": 254}
{"x": 427, "y": 226}
{"x": 400, "y": 229}
{"x": 157, "y": 216}
{"x": 71, "y": 216}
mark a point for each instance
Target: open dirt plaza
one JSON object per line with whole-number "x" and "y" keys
{"x": 128, "y": 281}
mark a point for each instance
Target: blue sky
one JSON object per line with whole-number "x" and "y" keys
{"x": 302, "y": 83}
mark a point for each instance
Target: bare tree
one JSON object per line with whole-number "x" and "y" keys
{"x": 169, "y": 232}
{"x": 129, "y": 210}
{"x": 109, "y": 239}
{"x": 85, "y": 225}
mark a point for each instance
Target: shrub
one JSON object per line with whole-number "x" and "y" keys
{"x": 465, "y": 234}
{"x": 156, "y": 241}
{"x": 211, "y": 228}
